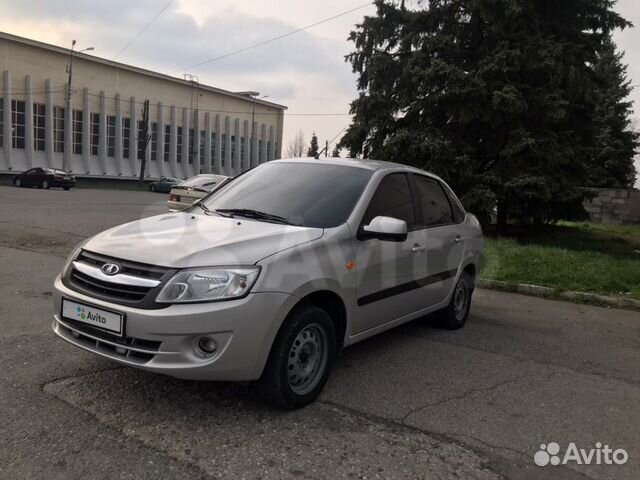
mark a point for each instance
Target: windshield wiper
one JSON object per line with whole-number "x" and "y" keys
{"x": 255, "y": 214}
{"x": 208, "y": 211}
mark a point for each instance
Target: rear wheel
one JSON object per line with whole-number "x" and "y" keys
{"x": 45, "y": 184}
{"x": 66, "y": 188}
{"x": 17, "y": 182}
{"x": 300, "y": 359}
{"x": 152, "y": 188}
{"x": 454, "y": 315}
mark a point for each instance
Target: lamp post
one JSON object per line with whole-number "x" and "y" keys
{"x": 68, "y": 118}
{"x": 253, "y": 116}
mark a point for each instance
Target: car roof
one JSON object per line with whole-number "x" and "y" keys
{"x": 364, "y": 163}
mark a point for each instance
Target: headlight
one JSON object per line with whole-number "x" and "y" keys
{"x": 74, "y": 253}
{"x": 206, "y": 284}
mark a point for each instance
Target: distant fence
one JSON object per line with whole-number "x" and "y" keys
{"x": 614, "y": 206}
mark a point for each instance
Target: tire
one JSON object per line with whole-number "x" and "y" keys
{"x": 67, "y": 188}
{"x": 454, "y": 315}
{"x": 45, "y": 185}
{"x": 152, "y": 188}
{"x": 18, "y": 182}
{"x": 305, "y": 345}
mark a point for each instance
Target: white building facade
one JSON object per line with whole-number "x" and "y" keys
{"x": 193, "y": 128}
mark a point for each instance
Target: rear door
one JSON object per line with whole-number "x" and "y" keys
{"x": 389, "y": 272}
{"x": 33, "y": 177}
{"x": 441, "y": 232}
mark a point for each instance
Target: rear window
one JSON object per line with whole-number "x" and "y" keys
{"x": 204, "y": 181}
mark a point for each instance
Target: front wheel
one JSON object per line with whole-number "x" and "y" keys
{"x": 66, "y": 188}
{"x": 300, "y": 359}
{"x": 454, "y": 315}
{"x": 152, "y": 188}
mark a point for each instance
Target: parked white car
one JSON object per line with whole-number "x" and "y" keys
{"x": 184, "y": 194}
{"x": 272, "y": 275}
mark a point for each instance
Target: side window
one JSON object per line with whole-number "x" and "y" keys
{"x": 392, "y": 199}
{"x": 34, "y": 171}
{"x": 436, "y": 209}
{"x": 458, "y": 212}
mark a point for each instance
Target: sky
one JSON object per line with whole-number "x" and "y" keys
{"x": 305, "y": 71}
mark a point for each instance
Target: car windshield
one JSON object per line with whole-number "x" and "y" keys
{"x": 203, "y": 181}
{"x": 305, "y": 194}
{"x": 55, "y": 171}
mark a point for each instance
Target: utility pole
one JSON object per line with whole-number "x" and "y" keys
{"x": 326, "y": 148}
{"x": 68, "y": 114}
{"x": 143, "y": 141}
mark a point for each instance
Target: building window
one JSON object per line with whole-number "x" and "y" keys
{"x": 233, "y": 147}
{"x": 202, "y": 134}
{"x": 58, "y": 129}
{"x": 39, "y": 115}
{"x": 213, "y": 147}
{"x": 17, "y": 122}
{"x": 179, "y": 146}
{"x": 269, "y": 150}
{"x": 126, "y": 136}
{"x": 242, "y": 147}
{"x": 77, "y": 131}
{"x": 223, "y": 149}
{"x": 142, "y": 140}
{"x": 260, "y": 147}
{"x": 111, "y": 135}
{"x": 95, "y": 133}
{"x": 191, "y": 144}
{"x": 1, "y": 122}
{"x": 154, "y": 141}
{"x": 167, "y": 142}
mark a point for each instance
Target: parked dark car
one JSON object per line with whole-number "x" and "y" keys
{"x": 164, "y": 185}
{"x": 45, "y": 178}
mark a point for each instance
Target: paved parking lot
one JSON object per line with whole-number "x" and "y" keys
{"x": 415, "y": 402}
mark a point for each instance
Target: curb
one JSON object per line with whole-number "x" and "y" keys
{"x": 552, "y": 293}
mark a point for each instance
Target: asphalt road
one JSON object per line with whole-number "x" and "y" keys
{"x": 415, "y": 402}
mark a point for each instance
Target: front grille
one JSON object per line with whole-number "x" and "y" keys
{"x": 139, "y": 296}
{"x": 132, "y": 349}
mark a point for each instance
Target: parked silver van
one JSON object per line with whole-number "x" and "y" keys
{"x": 269, "y": 277}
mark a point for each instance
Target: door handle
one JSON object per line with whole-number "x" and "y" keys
{"x": 418, "y": 248}
{"x": 458, "y": 239}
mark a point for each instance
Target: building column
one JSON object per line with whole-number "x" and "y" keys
{"x": 173, "y": 143}
{"x": 28, "y": 121}
{"x": 272, "y": 143}
{"x": 118, "y": 139}
{"x": 217, "y": 151}
{"x": 102, "y": 145}
{"x": 147, "y": 151}
{"x": 237, "y": 167}
{"x": 186, "y": 126}
{"x": 86, "y": 130}
{"x": 160, "y": 140}
{"x": 263, "y": 138}
{"x": 254, "y": 144}
{"x": 6, "y": 119}
{"x": 133, "y": 135}
{"x": 196, "y": 142}
{"x": 207, "y": 142}
{"x": 246, "y": 162}
{"x": 48, "y": 123}
{"x": 68, "y": 134}
{"x": 227, "y": 147}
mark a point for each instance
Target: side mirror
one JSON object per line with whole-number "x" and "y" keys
{"x": 385, "y": 228}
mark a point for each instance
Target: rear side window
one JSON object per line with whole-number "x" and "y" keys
{"x": 458, "y": 212}
{"x": 392, "y": 199}
{"x": 436, "y": 208}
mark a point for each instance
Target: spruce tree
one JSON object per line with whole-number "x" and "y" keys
{"x": 495, "y": 96}
{"x": 616, "y": 143}
{"x": 313, "y": 147}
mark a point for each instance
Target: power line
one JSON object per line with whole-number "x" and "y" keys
{"x": 143, "y": 30}
{"x": 270, "y": 40}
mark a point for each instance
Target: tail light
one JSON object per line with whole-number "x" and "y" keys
{"x": 174, "y": 198}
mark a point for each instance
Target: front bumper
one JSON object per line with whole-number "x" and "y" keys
{"x": 162, "y": 340}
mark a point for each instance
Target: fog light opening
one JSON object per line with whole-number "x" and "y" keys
{"x": 206, "y": 346}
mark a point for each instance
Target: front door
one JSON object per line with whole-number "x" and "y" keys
{"x": 389, "y": 272}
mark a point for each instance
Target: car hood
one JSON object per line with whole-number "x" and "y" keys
{"x": 181, "y": 240}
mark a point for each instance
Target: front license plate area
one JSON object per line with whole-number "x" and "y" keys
{"x": 96, "y": 317}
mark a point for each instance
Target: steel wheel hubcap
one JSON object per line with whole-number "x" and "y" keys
{"x": 460, "y": 300}
{"x": 307, "y": 359}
